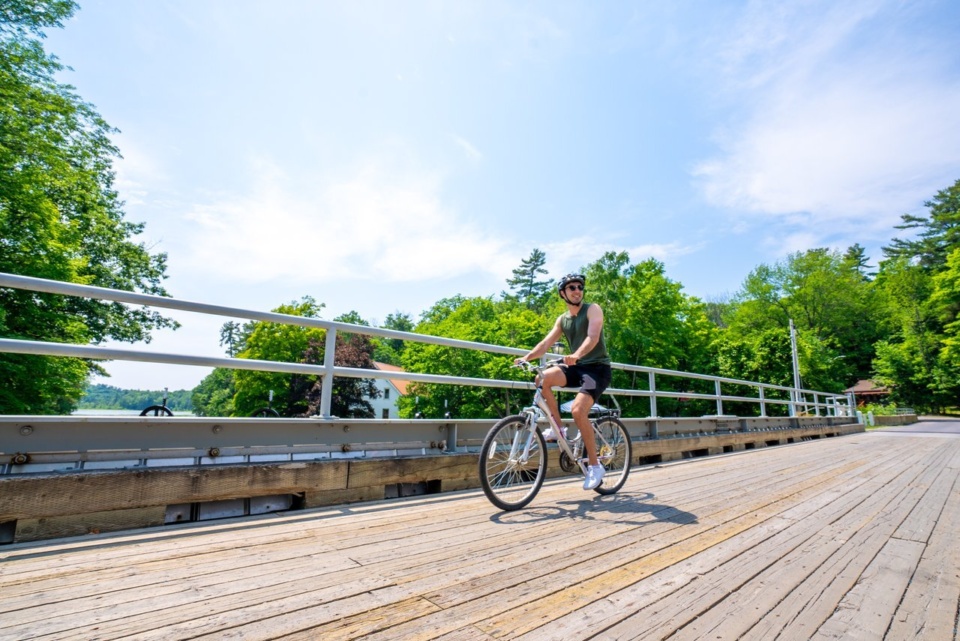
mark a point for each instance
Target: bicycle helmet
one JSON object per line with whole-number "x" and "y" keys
{"x": 571, "y": 278}
{"x": 566, "y": 280}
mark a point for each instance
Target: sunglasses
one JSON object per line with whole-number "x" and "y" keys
{"x": 575, "y": 288}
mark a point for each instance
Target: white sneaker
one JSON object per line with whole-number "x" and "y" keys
{"x": 550, "y": 437}
{"x": 594, "y": 477}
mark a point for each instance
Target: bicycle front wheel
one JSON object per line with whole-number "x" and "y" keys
{"x": 614, "y": 450}
{"x": 513, "y": 463}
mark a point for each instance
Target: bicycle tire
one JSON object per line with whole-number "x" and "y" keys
{"x": 615, "y": 451}
{"x": 509, "y": 483}
{"x": 266, "y": 412}
{"x": 157, "y": 410}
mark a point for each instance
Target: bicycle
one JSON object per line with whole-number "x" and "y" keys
{"x": 513, "y": 458}
{"x": 158, "y": 410}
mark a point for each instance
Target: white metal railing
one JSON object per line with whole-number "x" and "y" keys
{"x": 829, "y": 403}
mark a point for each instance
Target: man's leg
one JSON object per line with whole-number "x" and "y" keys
{"x": 553, "y": 377}
{"x": 581, "y": 416}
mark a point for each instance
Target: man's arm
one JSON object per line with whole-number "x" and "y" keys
{"x": 594, "y": 326}
{"x": 545, "y": 344}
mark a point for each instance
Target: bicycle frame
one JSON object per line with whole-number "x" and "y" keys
{"x": 539, "y": 410}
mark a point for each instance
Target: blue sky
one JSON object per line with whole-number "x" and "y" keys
{"x": 379, "y": 156}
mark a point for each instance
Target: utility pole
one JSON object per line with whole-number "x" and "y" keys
{"x": 796, "y": 369}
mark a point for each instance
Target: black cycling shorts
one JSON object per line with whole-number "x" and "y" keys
{"x": 592, "y": 379}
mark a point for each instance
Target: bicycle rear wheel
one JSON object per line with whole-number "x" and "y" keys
{"x": 513, "y": 463}
{"x": 614, "y": 450}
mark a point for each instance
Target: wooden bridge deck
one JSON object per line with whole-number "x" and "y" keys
{"x": 852, "y": 537}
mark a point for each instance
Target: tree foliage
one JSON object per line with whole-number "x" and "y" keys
{"x": 919, "y": 285}
{"x": 283, "y": 343}
{"x": 526, "y": 286}
{"x": 832, "y": 304}
{"x": 60, "y": 218}
{"x": 390, "y": 350}
{"x": 481, "y": 320}
{"x": 228, "y": 392}
{"x": 939, "y": 231}
{"x": 108, "y": 397}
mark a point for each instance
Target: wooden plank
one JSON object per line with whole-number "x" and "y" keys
{"x": 865, "y": 611}
{"x": 30, "y": 496}
{"x": 930, "y": 605}
{"x": 653, "y": 607}
{"x": 526, "y": 605}
{"x": 91, "y": 523}
{"x": 813, "y": 599}
{"x": 739, "y": 603}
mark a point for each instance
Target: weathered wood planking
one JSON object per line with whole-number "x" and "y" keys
{"x": 851, "y": 537}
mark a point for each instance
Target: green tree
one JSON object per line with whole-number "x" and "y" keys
{"x": 945, "y": 303}
{"x": 214, "y": 395}
{"x": 390, "y": 350}
{"x": 939, "y": 231}
{"x": 283, "y": 343}
{"x": 917, "y": 285}
{"x": 832, "y": 305}
{"x": 649, "y": 321}
{"x": 909, "y": 359}
{"x": 856, "y": 258}
{"x": 232, "y": 336}
{"x": 526, "y": 285}
{"x": 60, "y": 218}
{"x": 481, "y": 320}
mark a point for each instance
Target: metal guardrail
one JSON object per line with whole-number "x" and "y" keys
{"x": 829, "y": 403}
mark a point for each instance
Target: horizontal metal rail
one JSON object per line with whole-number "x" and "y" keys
{"x": 830, "y": 403}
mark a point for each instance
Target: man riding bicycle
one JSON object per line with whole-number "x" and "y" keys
{"x": 587, "y": 366}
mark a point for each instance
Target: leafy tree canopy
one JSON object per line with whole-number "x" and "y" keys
{"x": 390, "y": 350}
{"x": 60, "y": 218}
{"x": 526, "y": 285}
{"x": 284, "y": 343}
{"x": 481, "y": 320}
{"x": 939, "y": 231}
{"x": 108, "y": 397}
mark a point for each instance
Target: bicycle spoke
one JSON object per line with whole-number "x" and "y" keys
{"x": 514, "y": 463}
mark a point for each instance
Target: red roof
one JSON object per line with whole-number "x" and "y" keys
{"x": 399, "y": 383}
{"x": 866, "y": 387}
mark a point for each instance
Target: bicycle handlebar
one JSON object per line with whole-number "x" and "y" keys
{"x": 527, "y": 366}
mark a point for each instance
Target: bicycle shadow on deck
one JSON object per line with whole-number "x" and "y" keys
{"x": 629, "y": 508}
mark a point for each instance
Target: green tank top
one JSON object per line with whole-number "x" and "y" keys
{"x": 575, "y": 331}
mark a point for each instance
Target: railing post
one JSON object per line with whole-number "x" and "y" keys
{"x": 719, "y": 400}
{"x": 326, "y": 390}
{"x": 763, "y": 405}
{"x": 651, "y": 377}
{"x": 816, "y": 404}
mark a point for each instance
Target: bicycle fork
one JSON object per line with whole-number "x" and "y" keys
{"x": 521, "y": 444}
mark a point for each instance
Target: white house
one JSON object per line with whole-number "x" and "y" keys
{"x": 390, "y": 392}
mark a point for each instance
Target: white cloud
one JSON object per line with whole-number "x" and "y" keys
{"x": 136, "y": 172}
{"x": 472, "y": 152}
{"x": 850, "y": 134}
{"x": 381, "y": 222}
{"x": 575, "y": 253}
